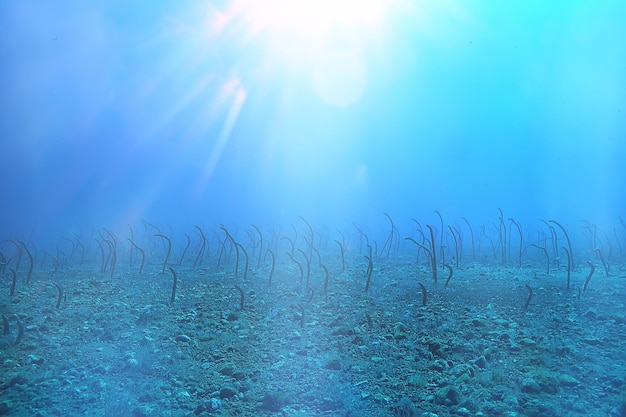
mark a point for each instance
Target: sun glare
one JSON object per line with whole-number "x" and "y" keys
{"x": 327, "y": 37}
{"x": 312, "y": 20}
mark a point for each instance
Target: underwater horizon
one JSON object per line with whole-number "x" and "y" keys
{"x": 337, "y": 145}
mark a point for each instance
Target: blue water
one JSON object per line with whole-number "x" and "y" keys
{"x": 189, "y": 115}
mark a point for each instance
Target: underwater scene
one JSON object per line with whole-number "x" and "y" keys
{"x": 297, "y": 208}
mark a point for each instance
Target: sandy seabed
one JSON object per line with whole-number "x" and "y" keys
{"x": 116, "y": 344}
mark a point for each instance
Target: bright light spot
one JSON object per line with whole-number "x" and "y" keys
{"x": 327, "y": 38}
{"x": 312, "y": 19}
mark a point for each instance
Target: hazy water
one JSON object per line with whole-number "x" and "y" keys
{"x": 224, "y": 113}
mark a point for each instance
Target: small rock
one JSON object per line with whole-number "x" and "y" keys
{"x": 132, "y": 364}
{"x": 272, "y": 402}
{"x": 481, "y": 362}
{"x": 238, "y": 375}
{"x": 358, "y": 340}
{"x": 214, "y": 404}
{"x": 527, "y": 342}
{"x": 227, "y": 392}
{"x": 439, "y": 365}
{"x": 448, "y": 396}
{"x": 619, "y": 319}
{"x": 227, "y": 370}
{"x": 478, "y": 323}
{"x": 566, "y": 380}
{"x": 400, "y": 327}
{"x": 182, "y": 338}
{"x": 505, "y": 337}
{"x": 515, "y": 348}
{"x": 530, "y": 386}
{"x": 37, "y": 360}
{"x": 400, "y": 336}
{"x": 333, "y": 364}
{"x": 462, "y": 369}
{"x": 591, "y": 314}
{"x": 17, "y": 380}
{"x": 592, "y": 341}
{"x": 502, "y": 322}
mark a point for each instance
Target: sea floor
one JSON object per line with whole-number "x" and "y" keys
{"x": 118, "y": 346}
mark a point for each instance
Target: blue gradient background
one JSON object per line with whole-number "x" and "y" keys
{"x": 179, "y": 113}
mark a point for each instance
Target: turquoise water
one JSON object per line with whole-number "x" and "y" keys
{"x": 218, "y": 113}
{"x": 304, "y": 127}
